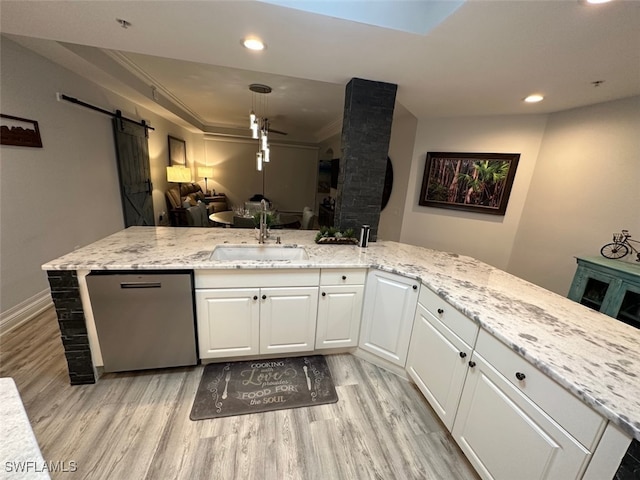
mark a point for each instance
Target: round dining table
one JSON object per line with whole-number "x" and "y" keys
{"x": 223, "y": 218}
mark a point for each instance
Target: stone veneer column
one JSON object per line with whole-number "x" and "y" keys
{"x": 366, "y": 130}
{"x": 630, "y": 466}
{"x": 66, "y": 298}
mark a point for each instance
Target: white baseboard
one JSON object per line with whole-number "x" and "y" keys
{"x": 25, "y": 311}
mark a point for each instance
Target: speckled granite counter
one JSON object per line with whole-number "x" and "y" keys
{"x": 20, "y": 455}
{"x": 594, "y": 356}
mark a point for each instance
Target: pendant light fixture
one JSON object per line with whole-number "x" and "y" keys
{"x": 258, "y": 123}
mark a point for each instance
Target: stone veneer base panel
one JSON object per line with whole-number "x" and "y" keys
{"x": 630, "y": 465}
{"x": 366, "y": 132}
{"x": 65, "y": 293}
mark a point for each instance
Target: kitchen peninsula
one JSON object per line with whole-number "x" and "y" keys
{"x": 590, "y": 355}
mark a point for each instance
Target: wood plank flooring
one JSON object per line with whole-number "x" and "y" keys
{"x": 136, "y": 425}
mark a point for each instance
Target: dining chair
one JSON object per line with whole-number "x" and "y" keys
{"x": 307, "y": 219}
{"x": 243, "y": 222}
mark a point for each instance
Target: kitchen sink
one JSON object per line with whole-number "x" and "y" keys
{"x": 259, "y": 253}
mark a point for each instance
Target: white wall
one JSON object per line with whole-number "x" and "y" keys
{"x": 289, "y": 179}
{"x": 330, "y": 147}
{"x": 59, "y": 196}
{"x": 586, "y": 185}
{"x": 65, "y": 194}
{"x": 486, "y": 237}
{"x": 159, "y": 157}
{"x": 403, "y": 135}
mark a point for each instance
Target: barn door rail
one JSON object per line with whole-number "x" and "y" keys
{"x": 117, "y": 114}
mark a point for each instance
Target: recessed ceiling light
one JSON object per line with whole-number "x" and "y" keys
{"x": 596, "y": 2}
{"x": 535, "y": 98}
{"x": 253, "y": 44}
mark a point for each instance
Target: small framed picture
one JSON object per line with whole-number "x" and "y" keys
{"x": 19, "y": 132}
{"x": 177, "y": 151}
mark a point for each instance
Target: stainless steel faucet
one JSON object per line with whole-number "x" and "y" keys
{"x": 263, "y": 221}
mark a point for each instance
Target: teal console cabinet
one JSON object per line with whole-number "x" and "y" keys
{"x": 608, "y": 286}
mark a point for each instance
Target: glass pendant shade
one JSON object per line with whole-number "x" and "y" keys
{"x": 259, "y": 123}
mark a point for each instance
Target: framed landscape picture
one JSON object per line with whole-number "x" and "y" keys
{"x": 474, "y": 182}
{"x": 19, "y": 132}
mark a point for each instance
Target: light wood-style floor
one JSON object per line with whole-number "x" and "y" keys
{"x": 136, "y": 426}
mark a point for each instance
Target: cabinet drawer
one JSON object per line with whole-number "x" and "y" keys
{"x": 571, "y": 413}
{"x": 342, "y": 276}
{"x": 256, "y": 278}
{"x": 458, "y": 323}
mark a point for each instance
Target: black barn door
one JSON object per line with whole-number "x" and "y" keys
{"x": 134, "y": 171}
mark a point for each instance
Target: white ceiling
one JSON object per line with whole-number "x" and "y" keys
{"x": 482, "y": 59}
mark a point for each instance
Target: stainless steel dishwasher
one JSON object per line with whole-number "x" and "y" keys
{"x": 144, "y": 320}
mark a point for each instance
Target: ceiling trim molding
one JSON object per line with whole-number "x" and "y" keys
{"x": 104, "y": 61}
{"x": 217, "y": 137}
{"x": 329, "y": 130}
{"x": 135, "y": 69}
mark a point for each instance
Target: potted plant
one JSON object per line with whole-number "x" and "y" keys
{"x": 269, "y": 219}
{"x": 332, "y": 235}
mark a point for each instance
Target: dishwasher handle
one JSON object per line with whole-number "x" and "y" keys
{"x": 141, "y": 285}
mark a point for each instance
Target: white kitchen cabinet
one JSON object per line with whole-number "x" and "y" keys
{"x": 339, "y": 312}
{"x": 276, "y": 313}
{"x": 510, "y": 419}
{"x": 441, "y": 345}
{"x": 340, "y": 307}
{"x": 228, "y": 322}
{"x": 389, "y": 306}
{"x": 288, "y": 319}
{"x": 506, "y": 435}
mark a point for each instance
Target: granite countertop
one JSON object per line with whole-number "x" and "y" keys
{"x": 595, "y": 357}
{"x": 20, "y": 455}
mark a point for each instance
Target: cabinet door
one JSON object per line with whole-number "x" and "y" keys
{"x": 288, "y": 319}
{"x": 592, "y": 289}
{"x": 626, "y": 306}
{"x": 506, "y": 436}
{"x": 389, "y": 306}
{"x": 228, "y": 322}
{"x": 437, "y": 362}
{"x": 339, "y": 312}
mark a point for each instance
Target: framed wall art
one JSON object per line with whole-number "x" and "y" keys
{"x": 19, "y": 132}
{"x": 324, "y": 176}
{"x": 177, "y": 151}
{"x": 474, "y": 182}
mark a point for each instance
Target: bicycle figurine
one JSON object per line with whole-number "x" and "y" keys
{"x": 620, "y": 247}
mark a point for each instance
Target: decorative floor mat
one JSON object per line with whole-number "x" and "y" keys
{"x": 238, "y": 388}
